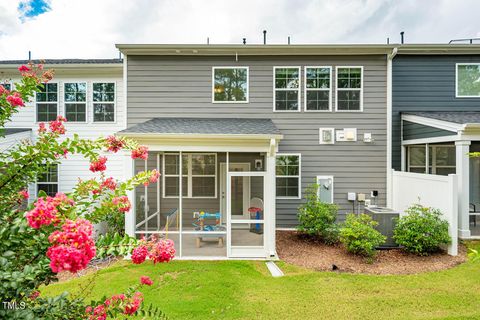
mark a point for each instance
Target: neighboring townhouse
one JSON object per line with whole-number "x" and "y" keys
{"x": 436, "y": 119}
{"x": 240, "y": 132}
{"x": 89, "y": 94}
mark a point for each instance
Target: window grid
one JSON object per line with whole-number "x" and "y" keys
{"x": 48, "y": 182}
{"x": 75, "y": 97}
{"x": 349, "y": 89}
{"x": 289, "y": 93}
{"x": 103, "y": 101}
{"x": 47, "y": 102}
{"x": 318, "y": 92}
{"x": 189, "y": 176}
{"x": 287, "y": 178}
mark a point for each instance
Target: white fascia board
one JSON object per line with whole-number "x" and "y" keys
{"x": 440, "y": 124}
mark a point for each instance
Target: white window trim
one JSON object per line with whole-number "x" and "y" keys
{"x": 98, "y": 102}
{"x": 343, "y": 89}
{"x": 46, "y": 102}
{"x": 427, "y": 156}
{"x": 57, "y": 183}
{"x": 332, "y": 186}
{"x": 189, "y": 176}
{"x": 299, "y": 108}
{"x": 70, "y": 102}
{"x": 231, "y": 67}
{"x": 316, "y": 89}
{"x": 456, "y": 78}
{"x": 299, "y": 155}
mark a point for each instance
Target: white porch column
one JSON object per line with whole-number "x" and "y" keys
{"x": 128, "y": 167}
{"x": 463, "y": 167}
{"x": 270, "y": 198}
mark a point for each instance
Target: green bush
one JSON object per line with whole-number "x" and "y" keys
{"x": 359, "y": 236}
{"x": 421, "y": 231}
{"x": 317, "y": 218}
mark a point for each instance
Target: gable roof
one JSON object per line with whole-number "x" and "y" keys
{"x": 9, "y": 131}
{"x": 459, "y": 117}
{"x": 204, "y": 126}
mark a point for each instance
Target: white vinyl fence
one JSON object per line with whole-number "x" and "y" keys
{"x": 440, "y": 192}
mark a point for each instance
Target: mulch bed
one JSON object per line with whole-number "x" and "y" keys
{"x": 315, "y": 255}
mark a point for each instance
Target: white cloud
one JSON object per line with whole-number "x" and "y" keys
{"x": 90, "y": 28}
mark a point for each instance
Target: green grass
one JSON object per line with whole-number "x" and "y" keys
{"x": 245, "y": 290}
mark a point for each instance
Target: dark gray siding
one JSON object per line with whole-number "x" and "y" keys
{"x": 181, "y": 86}
{"x": 413, "y": 130}
{"x": 425, "y": 83}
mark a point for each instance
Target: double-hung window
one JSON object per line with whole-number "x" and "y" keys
{"x": 286, "y": 89}
{"x": 48, "y": 182}
{"x": 288, "y": 176}
{"x": 468, "y": 80}
{"x": 349, "y": 94}
{"x": 230, "y": 85}
{"x": 318, "y": 88}
{"x": 75, "y": 101}
{"x": 199, "y": 175}
{"x": 47, "y": 102}
{"x": 104, "y": 102}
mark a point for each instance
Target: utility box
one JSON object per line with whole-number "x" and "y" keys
{"x": 387, "y": 220}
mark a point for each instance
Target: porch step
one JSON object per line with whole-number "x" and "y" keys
{"x": 274, "y": 269}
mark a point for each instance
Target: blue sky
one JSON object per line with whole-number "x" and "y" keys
{"x": 90, "y": 28}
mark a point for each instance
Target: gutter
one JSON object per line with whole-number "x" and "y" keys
{"x": 389, "y": 124}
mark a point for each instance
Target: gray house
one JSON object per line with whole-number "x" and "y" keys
{"x": 239, "y": 133}
{"x": 436, "y": 120}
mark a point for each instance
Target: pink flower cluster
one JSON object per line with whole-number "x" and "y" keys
{"x": 109, "y": 183}
{"x": 161, "y": 250}
{"x": 45, "y": 211}
{"x": 98, "y": 165}
{"x": 3, "y": 90}
{"x": 146, "y": 280}
{"x": 15, "y": 100}
{"x": 57, "y": 126}
{"x": 140, "y": 153}
{"x": 24, "y": 194}
{"x": 153, "y": 177}
{"x": 72, "y": 246}
{"x": 122, "y": 203}
{"x": 114, "y": 144}
{"x": 118, "y": 302}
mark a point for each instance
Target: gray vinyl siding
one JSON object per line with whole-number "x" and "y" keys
{"x": 425, "y": 83}
{"x": 413, "y": 130}
{"x": 160, "y": 86}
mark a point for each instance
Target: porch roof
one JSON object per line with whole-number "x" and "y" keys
{"x": 204, "y": 127}
{"x": 459, "y": 117}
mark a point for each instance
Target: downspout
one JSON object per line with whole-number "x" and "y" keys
{"x": 389, "y": 125}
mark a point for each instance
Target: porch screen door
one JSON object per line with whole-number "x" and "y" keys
{"x": 245, "y": 233}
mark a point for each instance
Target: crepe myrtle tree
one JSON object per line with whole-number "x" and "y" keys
{"x": 55, "y": 233}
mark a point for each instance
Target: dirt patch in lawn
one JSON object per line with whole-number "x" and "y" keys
{"x": 315, "y": 255}
{"x": 92, "y": 267}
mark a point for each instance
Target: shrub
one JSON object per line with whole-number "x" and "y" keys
{"x": 317, "y": 218}
{"x": 422, "y": 230}
{"x": 359, "y": 236}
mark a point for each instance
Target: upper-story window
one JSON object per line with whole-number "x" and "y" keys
{"x": 230, "y": 84}
{"x": 468, "y": 80}
{"x": 75, "y": 101}
{"x": 287, "y": 89}
{"x": 104, "y": 102}
{"x": 318, "y": 88}
{"x": 47, "y": 102}
{"x": 349, "y": 89}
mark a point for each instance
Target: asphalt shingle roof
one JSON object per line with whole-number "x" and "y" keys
{"x": 8, "y": 131}
{"x": 460, "y": 117}
{"x": 205, "y": 126}
{"x": 63, "y": 61}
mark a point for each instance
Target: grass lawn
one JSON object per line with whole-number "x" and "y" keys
{"x": 245, "y": 290}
